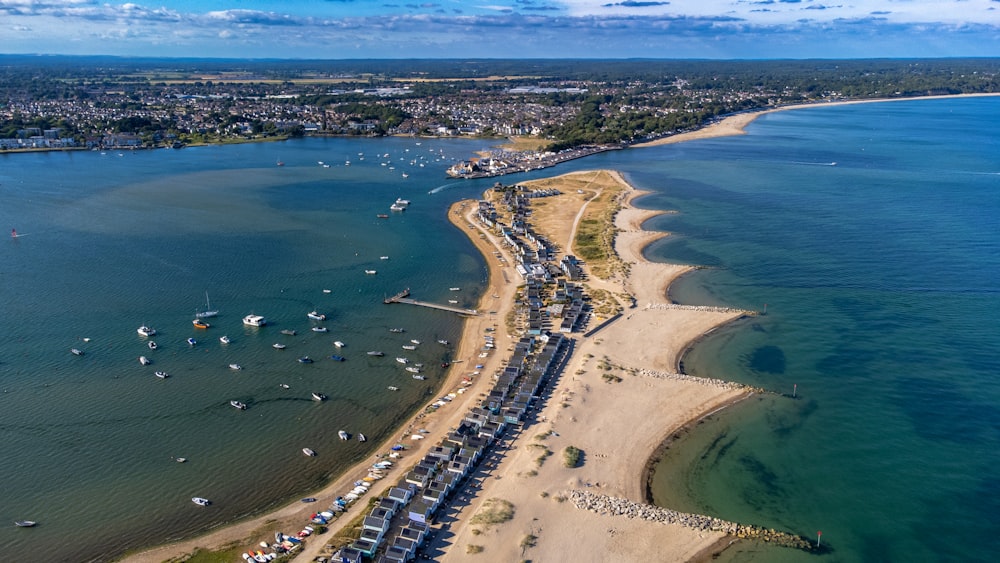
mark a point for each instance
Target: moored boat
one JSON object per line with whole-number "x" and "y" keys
{"x": 415, "y": 341}
{"x": 278, "y": 346}
{"x": 224, "y": 339}
{"x": 361, "y": 437}
{"x": 343, "y": 435}
{"x": 76, "y": 351}
{"x": 419, "y": 377}
{"x": 409, "y": 347}
{"x": 402, "y": 360}
{"x": 208, "y": 312}
{"x": 288, "y": 332}
{"x": 319, "y": 397}
{"x": 319, "y": 329}
{"x": 162, "y": 374}
{"x": 371, "y": 272}
{"x": 201, "y": 501}
{"x": 455, "y": 289}
{"x": 191, "y": 341}
{"x": 25, "y": 523}
{"x": 392, "y": 388}
{"x": 254, "y": 320}
{"x": 198, "y": 323}
{"x": 443, "y": 342}
{"x": 412, "y": 369}
{"x": 144, "y": 360}
{"x": 398, "y": 330}
{"x": 146, "y": 331}
{"x": 376, "y": 353}
{"x": 338, "y": 343}
{"x": 235, "y": 367}
{"x": 308, "y": 452}
{"x": 237, "y": 404}
{"x": 305, "y": 360}
{"x": 152, "y": 345}
{"x": 337, "y": 358}
{"x": 316, "y": 316}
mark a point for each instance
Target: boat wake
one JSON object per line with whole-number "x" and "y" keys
{"x": 439, "y": 188}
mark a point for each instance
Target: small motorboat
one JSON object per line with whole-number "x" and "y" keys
{"x": 392, "y": 388}
{"x": 412, "y": 369}
{"x": 455, "y": 289}
{"x": 254, "y": 320}
{"x": 305, "y": 360}
{"x": 191, "y": 341}
{"x": 278, "y": 346}
{"x": 376, "y": 353}
{"x": 283, "y": 385}
{"x": 409, "y": 347}
{"x": 453, "y": 301}
{"x": 316, "y": 316}
{"x": 76, "y": 351}
{"x": 319, "y": 329}
{"x": 419, "y": 377}
{"x": 383, "y": 257}
{"x": 152, "y": 345}
{"x": 443, "y": 342}
{"x": 402, "y": 360}
{"x": 338, "y": 344}
{"x": 25, "y": 523}
{"x": 343, "y": 435}
{"x": 382, "y": 215}
{"x": 201, "y": 501}
{"x": 371, "y": 272}
{"x": 224, "y": 339}
{"x": 327, "y": 291}
{"x": 308, "y": 452}
{"x": 238, "y": 405}
{"x": 162, "y": 374}
{"x": 337, "y": 358}
{"x": 181, "y": 459}
{"x": 361, "y": 437}
{"x": 397, "y": 330}
{"x": 319, "y": 397}
{"x": 144, "y": 360}
{"x": 198, "y": 323}
{"x": 415, "y": 341}
{"x": 309, "y": 499}
{"x": 235, "y": 367}
{"x": 288, "y": 332}
{"x": 146, "y": 331}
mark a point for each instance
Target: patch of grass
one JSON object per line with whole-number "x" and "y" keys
{"x": 611, "y": 378}
{"x": 543, "y": 494}
{"x": 493, "y": 511}
{"x": 476, "y": 531}
{"x": 473, "y": 549}
{"x": 529, "y": 541}
{"x": 559, "y": 498}
{"x": 572, "y": 456}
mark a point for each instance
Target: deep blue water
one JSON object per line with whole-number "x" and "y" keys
{"x": 870, "y": 233}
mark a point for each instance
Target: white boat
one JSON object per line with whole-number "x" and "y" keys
{"x": 254, "y": 320}
{"x": 180, "y": 459}
{"x": 327, "y": 291}
{"x": 343, "y": 435}
{"x": 401, "y": 201}
{"x": 361, "y": 437}
{"x": 409, "y": 347}
{"x": 316, "y": 316}
{"x": 144, "y": 360}
{"x": 383, "y": 257}
{"x": 308, "y": 452}
{"x": 395, "y": 207}
{"x": 453, "y": 301}
{"x": 235, "y": 367}
{"x": 24, "y": 523}
{"x": 224, "y": 339}
{"x": 319, "y": 329}
{"x": 319, "y": 397}
{"x": 415, "y": 341}
{"x": 208, "y": 312}
{"x": 455, "y": 288}
{"x": 338, "y": 344}
{"x": 397, "y": 330}
{"x": 278, "y": 346}
{"x": 283, "y": 385}
{"x": 443, "y": 342}
{"x": 376, "y": 353}
{"x": 191, "y": 341}
{"x": 201, "y": 501}
{"x": 152, "y": 345}
{"x": 419, "y": 377}
{"x": 392, "y": 388}
{"x": 412, "y": 369}
{"x": 305, "y": 360}
{"x": 288, "y": 332}
{"x": 371, "y": 272}
{"x": 238, "y": 405}
{"x": 76, "y": 351}
{"x": 162, "y": 374}
{"x": 402, "y": 360}
{"x": 146, "y": 331}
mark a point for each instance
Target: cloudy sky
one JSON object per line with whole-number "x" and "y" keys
{"x": 341, "y": 29}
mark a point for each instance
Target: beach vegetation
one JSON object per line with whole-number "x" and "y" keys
{"x": 611, "y": 378}
{"x": 493, "y": 511}
{"x": 572, "y": 456}
{"x": 223, "y": 555}
{"x": 528, "y": 541}
{"x": 473, "y": 549}
{"x": 543, "y": 494}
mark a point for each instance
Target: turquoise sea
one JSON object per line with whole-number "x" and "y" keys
{"x": 867, "y": 229}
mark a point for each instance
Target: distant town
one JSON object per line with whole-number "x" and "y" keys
{"x": 554, "y": 110}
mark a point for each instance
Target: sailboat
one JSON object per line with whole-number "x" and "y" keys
{"x": 208, "y": 312}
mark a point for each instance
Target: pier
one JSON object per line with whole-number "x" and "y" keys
{"x": 403, "y": 297}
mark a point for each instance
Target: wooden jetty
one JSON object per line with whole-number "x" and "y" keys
{"x": 403, "y": 297}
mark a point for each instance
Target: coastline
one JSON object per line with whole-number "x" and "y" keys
{"x": 735, "y": 124}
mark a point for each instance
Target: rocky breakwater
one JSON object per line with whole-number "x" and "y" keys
{"x": 720, "y": 383}
{"x": 613, "y": 506}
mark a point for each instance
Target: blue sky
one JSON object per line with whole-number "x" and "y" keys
{"x": 345, "y": 29}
